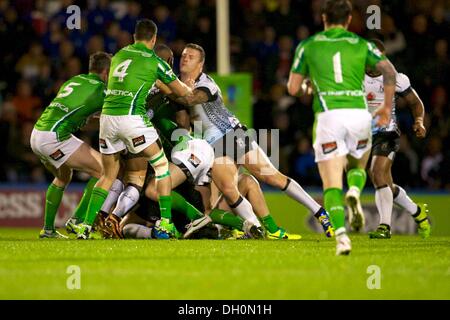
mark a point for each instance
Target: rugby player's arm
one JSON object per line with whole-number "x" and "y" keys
{"x": 198, "y": 96}
{"x": 183, "y": 120}
{"x": 294, "y": 85}
{"x": 389, "y": 80}
{"x": 92, "y": 122}
{"x": 418, "y": 110}
{"x": 179, "y": 89}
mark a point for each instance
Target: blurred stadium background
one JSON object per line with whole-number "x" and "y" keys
{"x": 38, "y": 53}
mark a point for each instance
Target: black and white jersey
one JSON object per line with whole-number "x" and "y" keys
{"x": 374, "y": 90}
{"x": 216, "y": 119}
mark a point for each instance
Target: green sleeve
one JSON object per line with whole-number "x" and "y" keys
{"x": 299, "y": 64}
{"x": 373, "y": 55}
{"x": 165, "y": 73}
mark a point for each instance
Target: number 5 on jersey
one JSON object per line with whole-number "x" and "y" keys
{"x": 121, "y": 70}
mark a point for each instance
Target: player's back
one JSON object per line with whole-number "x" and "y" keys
{"x": 335, "y": 60}
{"x": 78, "y": 98}
{"x": 134, "y": 70}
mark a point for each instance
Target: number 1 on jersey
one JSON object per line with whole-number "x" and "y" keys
{"x": 121, "y": 70}
{"x": 337, "y": 67}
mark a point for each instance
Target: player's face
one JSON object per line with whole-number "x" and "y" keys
{"x": 190, "y": 60}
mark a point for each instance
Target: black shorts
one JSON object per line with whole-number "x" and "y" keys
{"x": 149, "y": 210}
{"x": 386, "y": 144}
{"x": 235, "y": 144}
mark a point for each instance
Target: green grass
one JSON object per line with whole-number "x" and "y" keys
{"x": 206, "y": 269}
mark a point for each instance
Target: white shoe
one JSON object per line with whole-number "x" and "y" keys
{"x": 343, "y": 245}
{"x": 355, "y": 211}
{"x": 195, "y": 225}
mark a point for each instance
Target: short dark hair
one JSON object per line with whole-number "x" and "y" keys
{"x": 99, "y": 61}
{"x": 199, "y": 49}
{"x": 164, "y": 52}
{"x": 337, "y": 11}
{"x": 379, "y": 44}
{"x": 145, "y": 29}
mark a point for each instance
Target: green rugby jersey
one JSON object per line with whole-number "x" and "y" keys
{"x": 162, "y": 113}
{"x": 134, "y": 70}
{"x": 335, "y": 61}
{"x": 77, "y": 99}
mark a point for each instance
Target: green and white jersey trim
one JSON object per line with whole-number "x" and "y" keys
{"x": 133, "y": 104}
{"x": 57, "y": 124}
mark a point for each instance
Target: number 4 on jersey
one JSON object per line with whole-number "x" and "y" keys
{"x": 121, "y": 70}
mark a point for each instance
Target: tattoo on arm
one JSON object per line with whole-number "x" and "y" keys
{"x": 388, "y": 71}
{"x": 197, "y": 97}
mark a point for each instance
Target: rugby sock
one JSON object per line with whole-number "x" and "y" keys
{"x": 244, "y": 209}
{"x": 136, "y": 231}
{"x": 296, "y": 192}
{"x": 165, "y": 206}
{"x": 80, "y": 211}
{"x": 384, "y": 202}
{"x": 98, "y": 197}
{"x": 180, "y": 204}
{"x": 113, "y": 195}
{"x": 356, "y": 178}
{"x": 269, "y": 223}
{"x": 127, "y": 199}
{"x": 226, "y": 218}
{"x": 334, "y": 204}
{"x": 401, "y": 198}
{"x": 53, "y": 199}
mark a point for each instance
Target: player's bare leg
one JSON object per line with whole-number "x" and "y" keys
{"x": 84, "y": 159}
{"x": 260, "y": 166}
{"x": 224, "y": 173}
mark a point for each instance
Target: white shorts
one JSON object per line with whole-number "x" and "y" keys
{"x": 195, "y": 159}
{"x": 341, "y": 132}
{"x": 45, "y": 144}
{"x": 117, "y": 133}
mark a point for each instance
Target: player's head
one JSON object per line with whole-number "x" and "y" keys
{"x": 336, "y": 12}
{"x": 99, "y": 63}
{"x": 145, "y": 31}
{"x": 165, "y": 53}
{"x": 192, "y": 59}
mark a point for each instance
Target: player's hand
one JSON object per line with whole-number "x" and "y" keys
{"x": 419, "y": 128}
{"x": 307, "y": 87}
{"x": 383, "y": 116}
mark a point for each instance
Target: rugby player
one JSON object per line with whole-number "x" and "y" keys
{"x": 385, "y": 145}
{"x": 335, "y": 61}
{"x": 60, "y": 151}
{"x": 234, "y": 147}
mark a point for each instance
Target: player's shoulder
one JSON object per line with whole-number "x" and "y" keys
{"x": 402, "y": 82}
{"x": 205, "y": 80}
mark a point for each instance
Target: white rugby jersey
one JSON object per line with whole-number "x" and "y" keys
{"x": 374, "y": 90}
{"x": 216, "y": 119}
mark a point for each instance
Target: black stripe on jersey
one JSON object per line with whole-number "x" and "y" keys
{"x": 405, "y": 92}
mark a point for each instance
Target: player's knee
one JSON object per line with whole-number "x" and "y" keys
{"x": 378, "y": 176}
{"x": 160, "y": 164}
{"x": 63, "y": 180}
{"x": 229, "y": 190}
{"x": 248, "y": 182}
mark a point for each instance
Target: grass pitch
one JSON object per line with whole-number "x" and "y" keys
{"x": 410, "y": 268}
